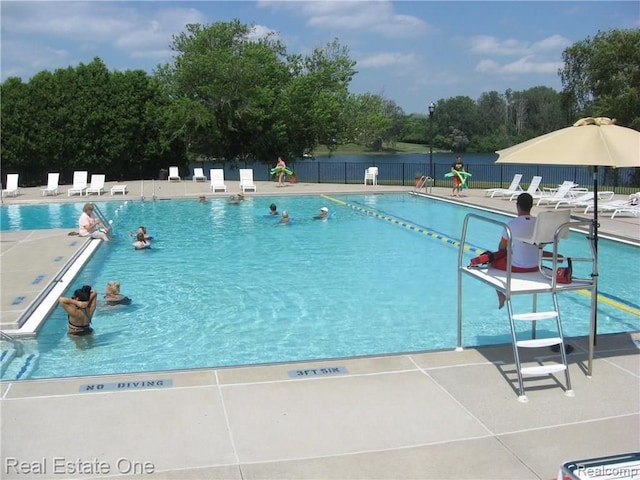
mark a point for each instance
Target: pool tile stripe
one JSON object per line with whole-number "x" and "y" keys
{"x": 38, "y": 279}
{"x": 58, "y": 259}
{"x": 409, "y": 226}
{"x": 605, "y": 298}
{"x": 614, "y": 302}
{"x": 18, "y": 300}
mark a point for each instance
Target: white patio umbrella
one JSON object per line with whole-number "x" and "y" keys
{"x": 595, "y": 142}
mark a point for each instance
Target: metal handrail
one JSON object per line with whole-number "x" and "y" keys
{"x": 17, "y": 344}
{"x": 107, "y": 225}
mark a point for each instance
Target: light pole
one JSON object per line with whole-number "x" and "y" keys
{"x": 432, "y": 108}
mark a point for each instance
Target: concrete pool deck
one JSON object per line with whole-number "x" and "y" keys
{"x": 431, "y": 415}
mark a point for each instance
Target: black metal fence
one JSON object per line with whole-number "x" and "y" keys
{"x": 623, "y": 180}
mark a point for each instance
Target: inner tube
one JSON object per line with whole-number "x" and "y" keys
{"x": 281, "y": 169}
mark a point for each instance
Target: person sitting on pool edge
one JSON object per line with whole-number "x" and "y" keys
{"x": 141, "y": 243}
{"x": 80, "y": 309}
{"x": 113, "y": 296}
{"x": 89, "y": 226}
{"x": 324, "y": 214}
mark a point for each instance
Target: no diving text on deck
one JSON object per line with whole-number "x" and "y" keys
{"x": 101, "y": 387}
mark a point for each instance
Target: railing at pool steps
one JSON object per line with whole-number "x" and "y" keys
{"x": 103, "y": 219}
{"x": 13, "y": 359}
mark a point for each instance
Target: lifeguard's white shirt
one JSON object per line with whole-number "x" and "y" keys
{"x": 524, "y": 255}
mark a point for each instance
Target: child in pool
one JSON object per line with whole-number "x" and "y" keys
{"x": 113, "y": 296}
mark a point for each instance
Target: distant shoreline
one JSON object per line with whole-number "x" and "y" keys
{"x": 354, "y": 149}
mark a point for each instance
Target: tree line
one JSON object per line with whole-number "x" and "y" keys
{"x": 229, "y": 97}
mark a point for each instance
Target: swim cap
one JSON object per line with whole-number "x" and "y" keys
{"x": 324, "y": 209}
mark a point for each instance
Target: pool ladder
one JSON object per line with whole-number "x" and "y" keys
{"x": 103, "y": 219}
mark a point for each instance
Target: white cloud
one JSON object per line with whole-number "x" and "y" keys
{"x": 387, "y": 60}
{"x": 487, "y": 66}
{"x": 371, "y": 16}
{"x": 108, "y": 24}
{"x": 488, "y": 45}
{"x": 260, "y": 31}
{"x": 524, "y": 65}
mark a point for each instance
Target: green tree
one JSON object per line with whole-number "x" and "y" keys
{"x": 239, "y": 98}
{"x": 601, "y": 77}
{"x": 455, "y": 119}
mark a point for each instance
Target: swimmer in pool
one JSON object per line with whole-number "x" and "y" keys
{"x": 324, "y": 214}
{"x": 113, "y": 296}
{"x": 141, "y": 243}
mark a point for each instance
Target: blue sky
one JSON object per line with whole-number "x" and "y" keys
{"x": 412, "y": 52}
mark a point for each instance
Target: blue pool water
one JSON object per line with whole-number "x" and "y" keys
{"x": 227, "y": 285}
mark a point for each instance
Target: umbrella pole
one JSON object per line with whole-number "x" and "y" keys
{"x": 594, "y": 274}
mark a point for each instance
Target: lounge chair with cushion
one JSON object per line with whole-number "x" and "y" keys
{"x": 198, "y": 175}
{"x": 12, "y": 189}
{"x": 97, "y": 185}
{"x": 174, "y": 174}
{"x": 510, "y": 190}
{"x": 246, "y": 180}
{"x": 79, "y": 183}
{"x": 217, "y": 179}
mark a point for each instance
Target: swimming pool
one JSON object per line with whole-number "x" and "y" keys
{"x": 226, "y": 285}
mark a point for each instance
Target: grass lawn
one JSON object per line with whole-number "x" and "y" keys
{"x": 353, "y": 149}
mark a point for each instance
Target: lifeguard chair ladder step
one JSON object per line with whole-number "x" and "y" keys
{"x": 538, "y": 370}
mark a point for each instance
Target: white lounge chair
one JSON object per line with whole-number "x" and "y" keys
{"x": 198, "y": 175}
{"x": 174, "y": 174}
{"x": 371, "y": 174}
{"x": 246, "y": 180}
{"x": 12, "y": 189}
{"x": 533, "y": 189}
{"x": 562, "y": 193}
{"x": 217, "y": 179}
{"x": 585, "y": 199}
{"x": 53, "y": 180}
{"x": 609, "y": 206}
{"x": 510, "y": 190}
{"x": 79, "y": 183}
{"x": 632, "y": 209}
{"x": 97, "y": 185}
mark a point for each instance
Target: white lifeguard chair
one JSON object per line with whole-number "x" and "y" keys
{"x": 550, "y": 228}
